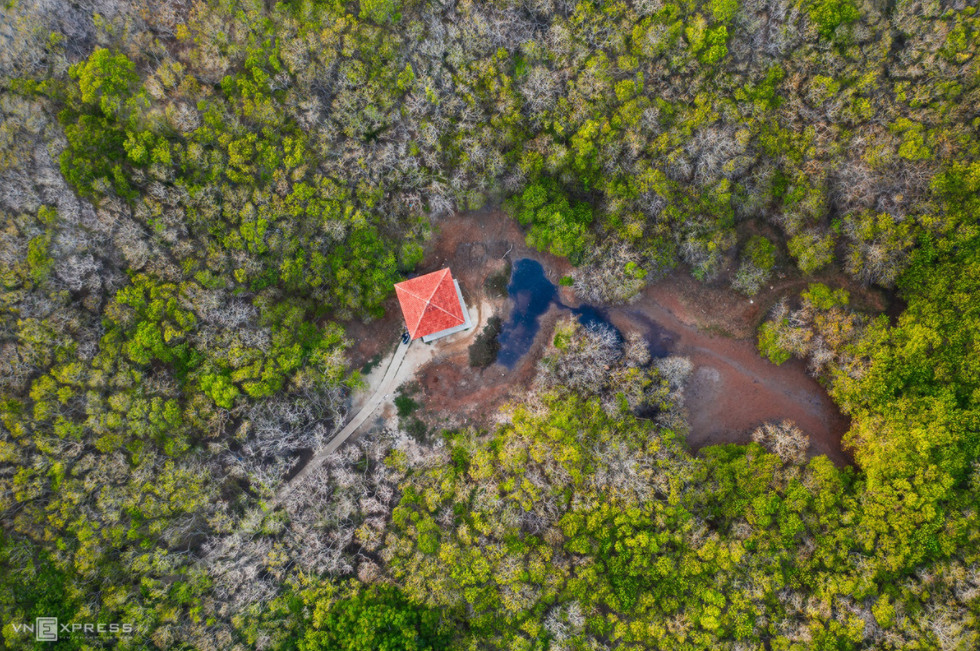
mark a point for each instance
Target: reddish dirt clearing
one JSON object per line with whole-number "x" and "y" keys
{"x": 475, "y": 246}
{"x": 732, "y": 390}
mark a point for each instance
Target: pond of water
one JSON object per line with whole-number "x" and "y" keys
{"x": 532, "y": 294}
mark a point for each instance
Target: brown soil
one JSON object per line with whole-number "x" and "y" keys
{"x": 476, "y": 245}
{"x": 456, "y": 393}
{"x": 732, "y": 390}
{"x": 716, "y": 307}
{"x": 374, "y": 338}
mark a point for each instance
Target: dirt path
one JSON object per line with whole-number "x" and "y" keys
{"x": 383, "y": 393}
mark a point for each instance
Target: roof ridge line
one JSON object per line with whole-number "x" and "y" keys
{"x": 425, "y": 315}
{"x": 421, "y": 313}
{"x": 437, "y": 285}
{"x": 434, "y": 290}
{"x": 429, "y": 303}
{"x": 445, "y": 311}
{"x": 424, "y": 300}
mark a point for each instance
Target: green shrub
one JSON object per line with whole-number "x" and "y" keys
{"x": 769, "y": 344}
{"x": 761, "y": 252}
{"x": 39, "y": 261}
{"x": 555, "y": 223}
{"x": 405, "y": 405}
{"x": 410, "y": 255}
{"x": 374, "y": 618}
{"x": 831, "y": 14}
{"x": 381, "y": 11}
{"x": 813, "y": 250}
{"x": 220, "y": 389}
{"x": 824, "y": 298}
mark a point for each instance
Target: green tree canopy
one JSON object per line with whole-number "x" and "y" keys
{"x": 374, "y": 618}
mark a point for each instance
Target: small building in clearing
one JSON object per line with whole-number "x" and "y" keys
{"x": 433, "y": 306}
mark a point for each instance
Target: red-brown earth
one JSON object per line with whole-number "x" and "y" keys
{"x": 732, "y": 389}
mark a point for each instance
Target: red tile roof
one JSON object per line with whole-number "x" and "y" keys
{"x": 430, "y": 303}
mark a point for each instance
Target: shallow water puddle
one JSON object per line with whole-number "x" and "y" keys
{"x": 532, "y": 294}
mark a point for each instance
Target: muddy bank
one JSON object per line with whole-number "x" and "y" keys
{"x": 475, "y": 246}
{"x": 715, "y": 307}
{"x": 732, "y": 390}
{"x": 457, "y": 393}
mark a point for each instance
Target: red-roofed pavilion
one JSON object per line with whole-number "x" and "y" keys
{"x": 432, "y": 305}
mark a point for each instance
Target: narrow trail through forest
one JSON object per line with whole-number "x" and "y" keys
{"x": 383, "y": 393}
{"x": 732, "y": 389}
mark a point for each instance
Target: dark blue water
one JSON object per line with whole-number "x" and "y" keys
{"x": 592, "y": 316}
{"x": 659, "y": 340}
{"x": 532, "y": 294}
